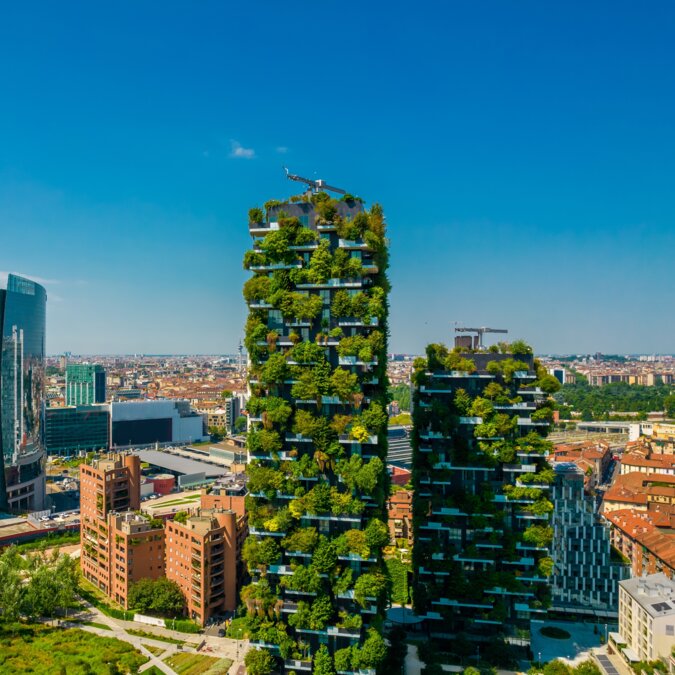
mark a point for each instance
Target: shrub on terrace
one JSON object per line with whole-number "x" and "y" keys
{"x": 304, "y": 540}
{"x": 259, "y": 662}
{"x": 259, "y": 552}
{"x": 256, "y": 288}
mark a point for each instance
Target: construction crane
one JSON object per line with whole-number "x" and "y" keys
{"x": 314, "y": 185}
{"x": 479, "y": 333}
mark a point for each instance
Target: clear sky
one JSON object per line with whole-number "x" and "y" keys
{"x": 524, "y": 153}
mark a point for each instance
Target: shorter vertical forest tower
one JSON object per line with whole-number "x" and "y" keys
{"x": 316, "y": 339}
{"x": 482, "y": 503}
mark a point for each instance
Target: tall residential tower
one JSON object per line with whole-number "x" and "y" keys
{"x": 316, "y": 338}
{"x": 482, "y": 505}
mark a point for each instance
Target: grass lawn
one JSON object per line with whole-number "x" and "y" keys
{"x": 38, "y": 649}
{"x": 152, "y": 636}
{"x": 94, "y": 624}
{"x": 61, "y": 539}
{"x": 197, "y": 664}
{"x": 156, "y": 651}
{"x": 185, "y": 500}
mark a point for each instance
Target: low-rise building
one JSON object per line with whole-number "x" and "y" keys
{"x": 646, "y": 538}
{"x": 592, "y": 457}
{"x": 652, "y": 463}
{"x": 400, "y": 516}
{"x": 646, "y": 619}
{"x": 640, "y": 491}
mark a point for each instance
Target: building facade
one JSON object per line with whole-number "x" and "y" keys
{"x": 400, "y": 512}
{"x": 201, "y": 557}
{"x": 585, "y": 573}
{"x": 121, "y": 545}
{"x": 316, "y": 340}
{"x": 646, "y": 620}
{"x": 482, "y": 505}
{"x": 108, "y": 488}
{"x": 148, "y": 422}
{"x": 22, "y": 351}
{"x": 76, "y": 429}
{"x": 85, "y": 384}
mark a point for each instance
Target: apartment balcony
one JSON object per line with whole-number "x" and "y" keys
{"x": 355, "y": 557}
{"x": 355, "y": 323}
{"x": 261, "y": 305}
{"x": 274, "y": 267}
{"x": 526, "y": 562}
{"x": 335, "y": 283}
{"x": 353, "y": 244}
{"x": 294, "y": 664}
{"x": 265, "y": 533}
{"x": 526, "y": 547}
{"x": 280, "y": 569}
{"x": 522, "y": 607}
{"x": 289, "y": 607}
{"x": 497, "y": 590}
{"x": 520, "y": 468}
{"x": 446, "y": 602}
{"x": 338, "y": 519}
{"x": 536, "y": 486}
{"x": 304, "y": 247}
{"x": 354, "y": 361}
{"x": 333, "y": 631}
{"x": 473, "y": 559}
{"x": 527, "y": 422}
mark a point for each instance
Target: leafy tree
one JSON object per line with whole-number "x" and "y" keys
{"x": 377, "y": 534}
{"x": 669, "y": 405}
{"x": 373, "y": 650}
{"x": 240, "y": 424}
{"x": 162, "y": 597}
{"x": 259, "y": 662}
{"x": 324, "y": 559}
{"x": 323, "y": 664}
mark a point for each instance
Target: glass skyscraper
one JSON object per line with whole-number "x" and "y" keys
{"x": 85, "y": 384}
{"x": 22, "y": 330}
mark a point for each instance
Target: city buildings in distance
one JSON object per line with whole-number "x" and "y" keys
{"x": 22, "y": 352}
{"x": 85, "y": 384}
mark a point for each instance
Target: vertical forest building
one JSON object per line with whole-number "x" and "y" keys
{"x": 316, "y": 337}
{"x": 482, "y": 505}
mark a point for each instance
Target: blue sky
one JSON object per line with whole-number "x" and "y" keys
{"x": 524, "y": 154}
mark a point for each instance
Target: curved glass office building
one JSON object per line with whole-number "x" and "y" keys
{"x": 23, "y": 307}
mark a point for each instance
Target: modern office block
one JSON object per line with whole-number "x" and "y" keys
{"x": 482, "y": 507}
{"x": 85, "y": 384}
{"x": 586, "y": 575}
{"x": 75, "y": 429}
{"x": 156, "y": 421}
{"x": 317, "y": 440}
{"x": 22, "y": 351}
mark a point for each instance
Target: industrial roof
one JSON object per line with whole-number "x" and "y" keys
{"x": 180, "y": 465}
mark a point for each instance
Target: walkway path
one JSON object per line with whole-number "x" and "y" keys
{"x": 224, "y": 648}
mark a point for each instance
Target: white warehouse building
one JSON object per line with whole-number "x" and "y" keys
{"x": 149, "y": 422}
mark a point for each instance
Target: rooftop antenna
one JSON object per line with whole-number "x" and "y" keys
{"x": 479, "y": 332}
{"x": 313, "y": 185}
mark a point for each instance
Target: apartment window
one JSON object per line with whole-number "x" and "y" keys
{"x": 670, "y": 629}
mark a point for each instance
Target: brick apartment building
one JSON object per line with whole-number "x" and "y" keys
{"x": 120, "y": 546}
{"x": 201, "y": 557}
{"x": 646, "y": 538}
{"x": 592, "y": 457}
{"x": 400, "y": 516}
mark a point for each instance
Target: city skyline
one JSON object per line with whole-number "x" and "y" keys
{"x": 501, "y": 133}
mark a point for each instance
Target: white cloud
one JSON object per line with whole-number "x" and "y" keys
{"x": 237, "y": 151}
{"x": 282, "y": 149}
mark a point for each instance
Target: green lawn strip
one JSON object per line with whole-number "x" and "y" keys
{"x": 94, "y": 624}
{"x": 153, "y": 670}
{"x": 155, "y": 651}
{"x": 198, "y": 664}
{"x": 51, "y": 540}
{"x": 151, "y": 636}
{"x": 29, "y": 648}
